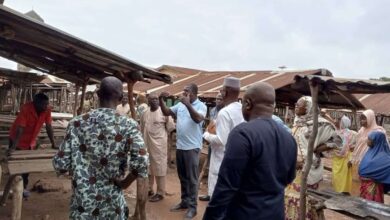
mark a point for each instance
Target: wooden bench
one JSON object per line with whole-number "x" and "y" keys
{"x": 351, "y": 206}
{"x": 20, "y": 162}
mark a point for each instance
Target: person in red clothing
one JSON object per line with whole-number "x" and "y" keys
{"x": 26, "y": 127}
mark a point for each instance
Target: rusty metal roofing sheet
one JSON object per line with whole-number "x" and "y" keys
{"x": 379, "y": 102}
{"x": 45, "y": 48}
{"x": 349, "y": 85}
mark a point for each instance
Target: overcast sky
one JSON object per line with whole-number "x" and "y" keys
{"x": 350, "y": 37}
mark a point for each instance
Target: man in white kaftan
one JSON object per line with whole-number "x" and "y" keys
{"x": 228, "y": 118}
{"x": 155, "y": 129}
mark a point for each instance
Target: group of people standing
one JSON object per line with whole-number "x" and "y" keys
{"x": 256, "y": 161}
{"x": 363, "y": 161}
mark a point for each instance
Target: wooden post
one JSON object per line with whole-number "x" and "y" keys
{"x": 354, "y": 112}
{"x": 76, "y": 100}
{"x": 286, "y": 115}
{"x": 83, "y": 95}
{"x": 17, "y": 198}
{"x": 1, "y": 173}
{"x": 60, "y": 99}
{"x": 310, "y": 151}
{"x": 382, "y": 120}
{"x": 130, "y": 85}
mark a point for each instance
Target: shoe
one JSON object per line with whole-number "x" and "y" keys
{"x": 156, "y": 198}
{"x": 179, "y": 207}
{"x": 191, "y": 213}
{"x": 204, "y": 198}
{"x": 150, "y": 193}
{"x": 26, "y": 193}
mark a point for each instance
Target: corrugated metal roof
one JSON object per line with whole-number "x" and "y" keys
{"x": 40, "y": 46}
{"x": 379, "y": 102}
{"x": 210, "y": 82}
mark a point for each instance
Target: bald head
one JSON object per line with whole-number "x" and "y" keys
{"x": 110, "y": 89}
{"x": 258, "y": 101}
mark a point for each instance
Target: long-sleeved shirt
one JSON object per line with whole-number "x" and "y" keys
{"x": 259, "y": 162}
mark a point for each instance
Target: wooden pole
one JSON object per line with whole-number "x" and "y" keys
{"x": 60, "y": 99}
{"x": 354, "y": 112}
{"x": 76, "y": 100}
{"x": 130, "y": 86}
{"x": 17, "y": 198}
{"x": 310, "y": 151}
{"x": 83, "y": 95}
{"x": 286, "y": 115}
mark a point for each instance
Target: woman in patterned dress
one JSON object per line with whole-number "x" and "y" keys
{"x": 326, "y": 140}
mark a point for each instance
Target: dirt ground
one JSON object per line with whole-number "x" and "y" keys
{"x": 54, "y": 205}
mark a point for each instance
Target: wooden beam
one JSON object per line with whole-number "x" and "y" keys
{"x": 30, "y": 166}
{"x": 310, "y": 151}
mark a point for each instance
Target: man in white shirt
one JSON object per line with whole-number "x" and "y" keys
{"x": 124, "y": 108}
{"x": 228, "y": 117}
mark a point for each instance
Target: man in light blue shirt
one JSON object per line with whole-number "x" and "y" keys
{"x": 190, "y": 113}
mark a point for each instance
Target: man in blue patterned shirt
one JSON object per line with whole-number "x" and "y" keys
{"x": 98, "y": 148}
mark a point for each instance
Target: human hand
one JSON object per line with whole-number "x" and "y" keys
{"x": 211, "y": 128}
{"x": 185, "y": 100}
{"x": 164, "y": 94}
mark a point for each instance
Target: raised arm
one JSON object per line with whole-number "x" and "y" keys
{"x": 196, "y": 116}
{"x": 165, "y": 110}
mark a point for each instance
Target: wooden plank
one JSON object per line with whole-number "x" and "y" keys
{"x": 31, "y": 152}
{"x": 30, "y": 166}
{"x": 30, "y": 157}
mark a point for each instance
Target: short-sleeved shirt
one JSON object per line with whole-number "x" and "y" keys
{"x": 32, "y": 124}
{"x": 188, "y": 132}
{"x": 98, "y": 147}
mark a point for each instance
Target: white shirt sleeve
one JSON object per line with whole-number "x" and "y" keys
{"x": 223, "y": 127}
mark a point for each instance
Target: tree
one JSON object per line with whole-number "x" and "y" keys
{"x": 383, "y": 78}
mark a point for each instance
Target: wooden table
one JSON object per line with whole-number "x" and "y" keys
{"x": 20, "y": 162}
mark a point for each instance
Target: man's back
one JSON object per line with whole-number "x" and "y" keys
{"x": 259, "y": 162}
{"x": 97, "y": 149}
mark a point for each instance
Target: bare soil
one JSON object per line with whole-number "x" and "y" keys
{"x": 54, "y": 205}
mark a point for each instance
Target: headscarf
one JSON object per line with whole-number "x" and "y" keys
{"x": 348, "y": 136}
{"x": 376, "y": 162}
{"x": 345, "y": 123}
{"x": 361, "y": 145}
{"x": 302, "y": 120}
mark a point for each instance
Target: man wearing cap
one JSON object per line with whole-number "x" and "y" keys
{"x": 228, "y": 118}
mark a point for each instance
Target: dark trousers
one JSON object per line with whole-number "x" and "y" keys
{"x": 188, "y": 171}
{"x": 24, "y": 175}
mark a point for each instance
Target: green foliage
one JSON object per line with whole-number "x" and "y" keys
{"x": 383, "y": 78}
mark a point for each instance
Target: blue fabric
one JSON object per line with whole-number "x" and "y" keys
{"x": 188, "y": 133}
{"x": 281, "y": 123}
{"x": 375, "y": 164}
